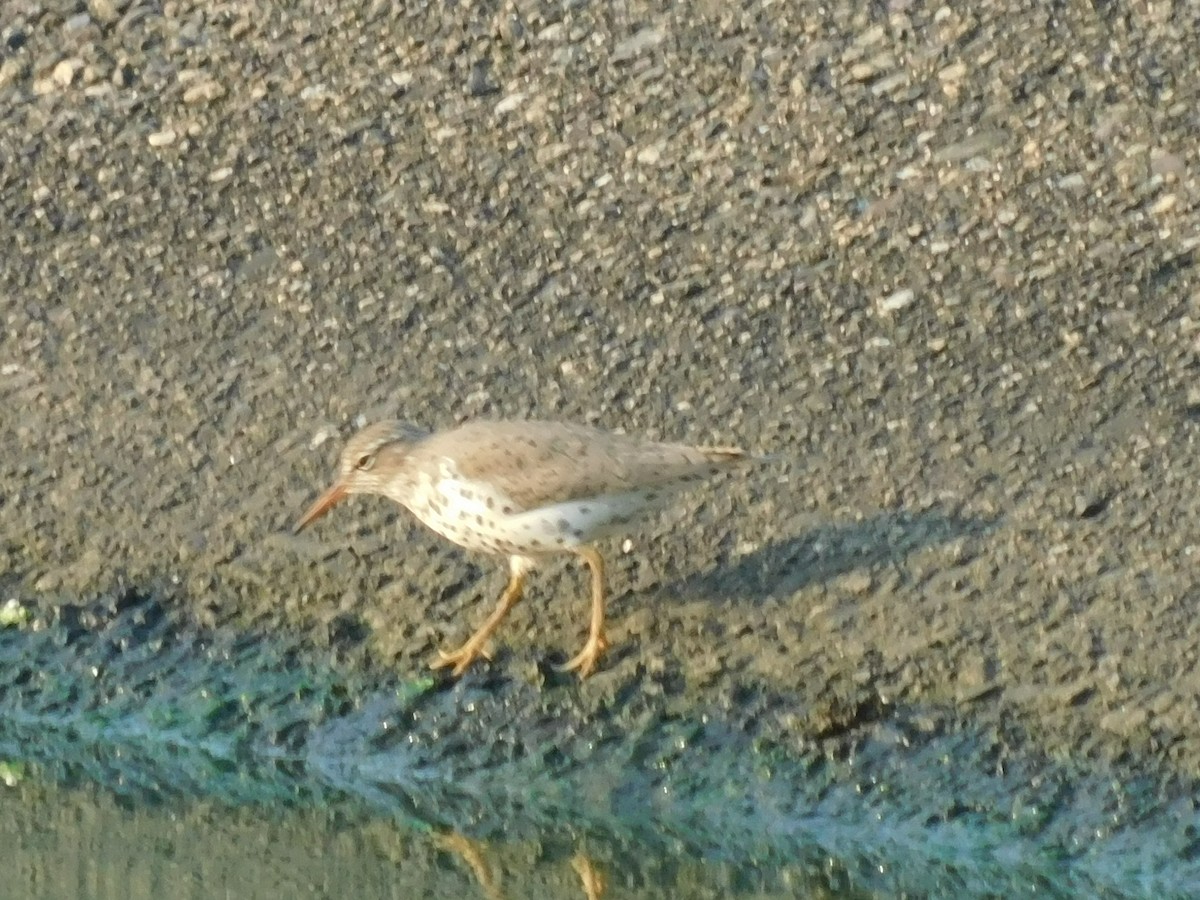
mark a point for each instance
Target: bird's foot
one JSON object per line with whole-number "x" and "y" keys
{"x": 584, "y": 661}
{"x": 461, "y": 658}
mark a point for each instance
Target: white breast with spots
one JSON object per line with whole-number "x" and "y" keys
{"x": 470, "y": 513}
{"x": 478, "y": 517}
{"x": 575, "y": 523}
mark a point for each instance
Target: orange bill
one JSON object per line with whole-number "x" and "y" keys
{"x": 324, "y": 503}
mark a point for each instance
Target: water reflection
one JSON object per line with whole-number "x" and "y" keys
{"x": 82, "y": 841}
{"x": 487, "y": 871}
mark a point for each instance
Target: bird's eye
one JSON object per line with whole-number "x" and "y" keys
{"x": 364, "y": 462}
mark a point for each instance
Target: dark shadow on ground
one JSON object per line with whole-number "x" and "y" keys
{"x": 779, "y": 569}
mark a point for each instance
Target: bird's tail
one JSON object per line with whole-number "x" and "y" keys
{"x": 723, "y": 454}
{"x": 733, "y": 455}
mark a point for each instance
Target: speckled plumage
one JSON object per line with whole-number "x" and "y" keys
{"x": 523, "y": 490}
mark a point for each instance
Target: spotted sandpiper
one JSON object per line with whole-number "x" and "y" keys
{"x": 521, "y": 489}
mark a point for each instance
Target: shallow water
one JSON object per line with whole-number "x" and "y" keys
{"x": 82, "y": 842}
{"x": 144, "y": 756}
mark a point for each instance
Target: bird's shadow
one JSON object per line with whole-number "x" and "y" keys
{"x": 782, "y": 567}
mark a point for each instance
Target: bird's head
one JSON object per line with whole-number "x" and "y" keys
{"x": 368, "y": 463}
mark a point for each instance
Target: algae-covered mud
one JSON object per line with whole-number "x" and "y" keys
{"x": 400, "y": 787}
{"x": 938, "y": 259}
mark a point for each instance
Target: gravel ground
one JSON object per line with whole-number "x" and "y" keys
{"x": 941, "y": 260}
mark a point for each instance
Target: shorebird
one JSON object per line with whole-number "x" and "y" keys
{"x": 522, "y": 489}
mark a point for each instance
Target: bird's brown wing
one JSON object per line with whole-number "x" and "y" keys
{"x": 538, "y": 464}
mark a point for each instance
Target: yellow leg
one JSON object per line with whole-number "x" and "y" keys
{"x": 591, "y": 880}
{"x": 597, "y": 643}
{"x": 465, "y": 655}
{"x": 470, "y": 852}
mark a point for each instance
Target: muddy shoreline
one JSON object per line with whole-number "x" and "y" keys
{"x": 647, "y": 790}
